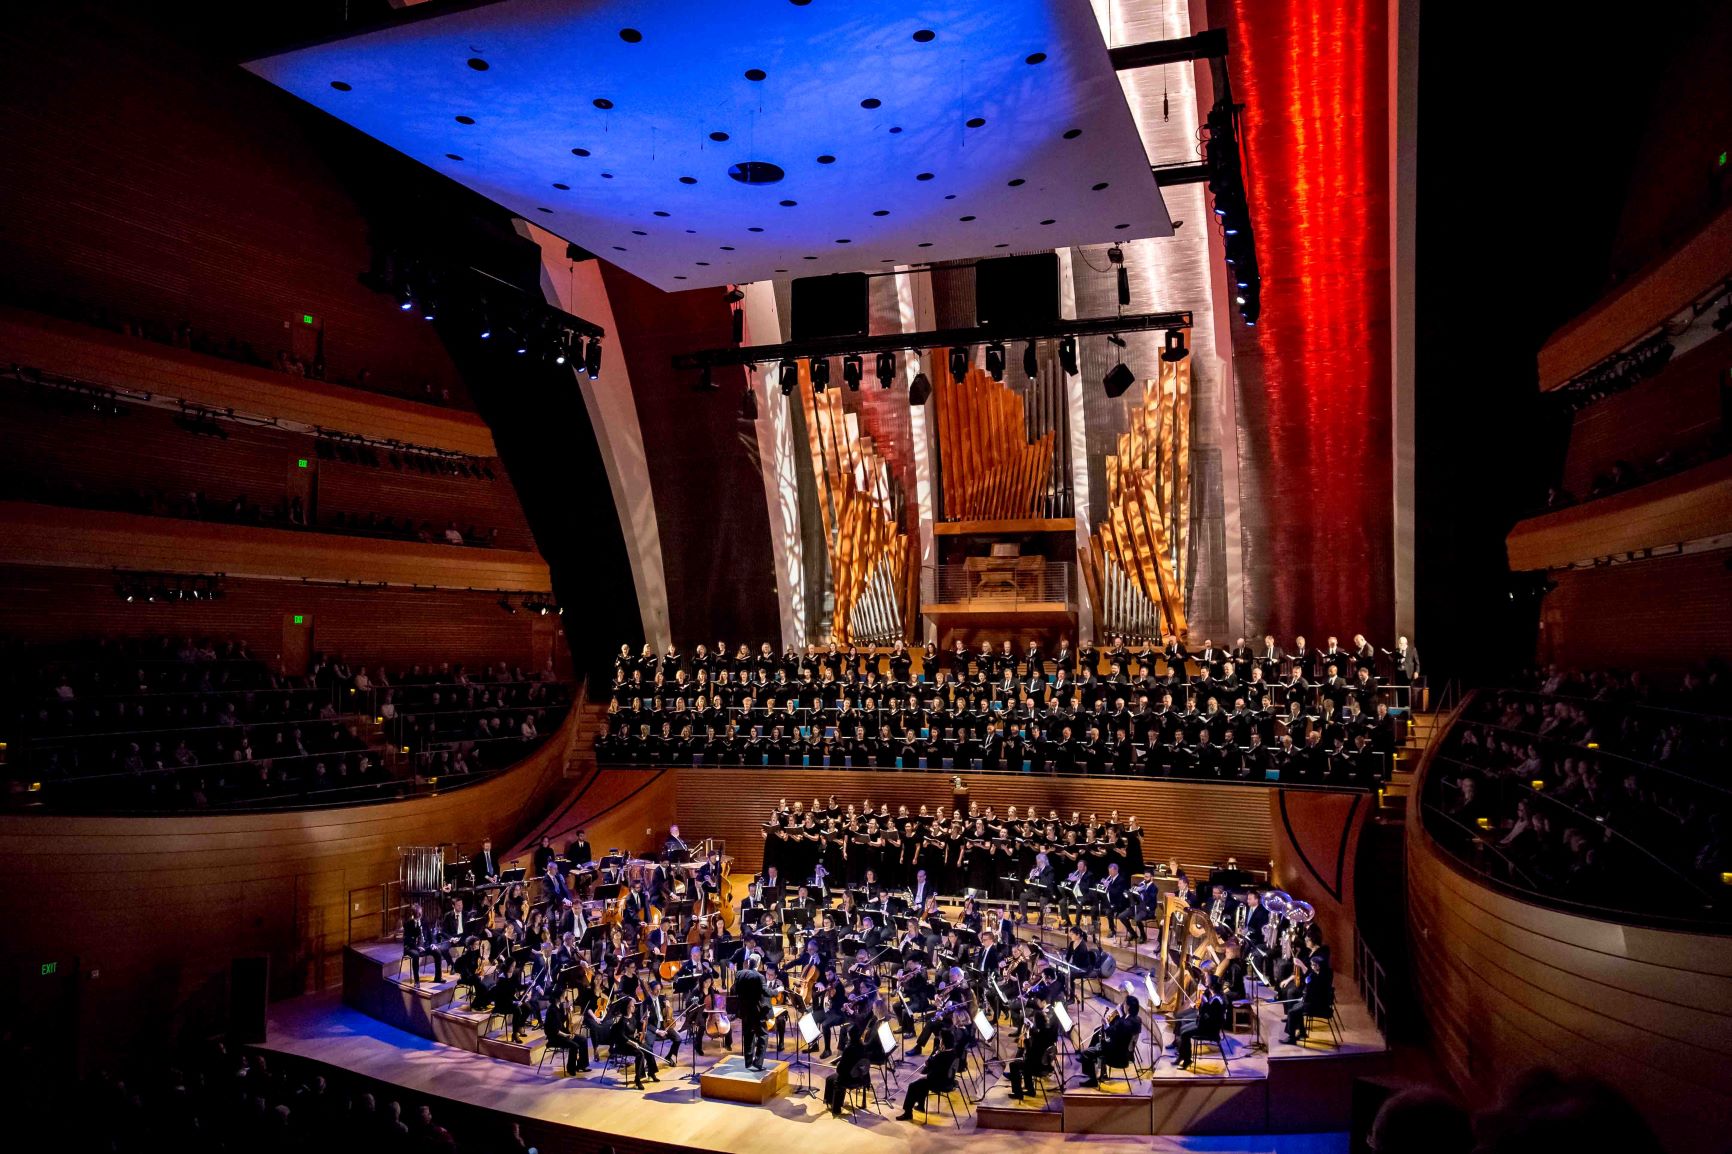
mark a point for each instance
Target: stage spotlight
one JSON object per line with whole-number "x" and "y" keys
{"x": 734, "y": 296}
{"x": 559, "y": 349}
{"x": 920, "y": 391}
{"x": 995, "y": 360}
{"x": 820, "y": 370}
{"x": 430, "y": 310}
{"x": 851, "y": 370}
{"x": 406, "y": 298}
{"x": 788, "y": 376}
{"x": 706, "y": 381}
{"x": 1118, "y": 379}
{"x": 504, "y": 603}
{"x": 1067, "y": 356}
{"x": 486, "y": 328}
{"x": 749, "y": 403}
{"x": 958, "y": 363}
{"x": 1175, "y": 350}
{"x": 739, "y": 318}
{"x": 592, "y": 358}
{"x": 522, "y": 344}
{"x": 886, "y": 369}
{"x": 1030, "y": 362}
{"x": 1116, "y": 256}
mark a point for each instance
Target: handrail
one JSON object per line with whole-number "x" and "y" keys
{"x": 1590, "y": 819}
{"x": 1372, "y": 978}
{"x": 57, "y": 739}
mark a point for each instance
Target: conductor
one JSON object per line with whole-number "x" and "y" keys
{"x": 748, "y": 992}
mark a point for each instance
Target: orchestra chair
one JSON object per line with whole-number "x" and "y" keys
{"x": 549, "y": 1049}
{"x": 616, "y": 1060}
{"x": 947, "y": 1101}
{"x": 1245, "y": 1009}
{"x": 1220, "y": 1045}
{"x": 1332, "y": 1020}
{"x": 886, "y": 1067}
{"x": 861, "y": 1088}
{"x": 1050, "y": 1074}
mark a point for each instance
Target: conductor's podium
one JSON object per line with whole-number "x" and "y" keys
{"x": 730, "y": 1081}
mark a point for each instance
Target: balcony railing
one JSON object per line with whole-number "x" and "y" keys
{"x": 999, "y": 582}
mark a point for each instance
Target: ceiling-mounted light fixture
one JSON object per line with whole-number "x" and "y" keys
{"x": 706, "y": 381}
{"x": 820, "y": 368}
{"x": 995, "y": 360}
{"x": 749, "y": 403}
{"x": 920, "y": 391}
{"x": 1175, "y": 350}
{"x": 592, "y": 358}
{"x": 1067, "y": 356}
{"x": 1030, "y": 362}
{"x": 788, "y": 375}
{"x": 886, "y": 369}
{"x": 958, "y": 363}
{"x": 852, "y": 369}
{"x": 1116, "y": 256}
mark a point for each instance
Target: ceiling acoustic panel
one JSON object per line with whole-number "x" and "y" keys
{"x": 698, "y": 143}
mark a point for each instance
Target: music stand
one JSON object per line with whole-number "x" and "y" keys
{"x": 810, "y": 1032}
{"x": 1065, "y": 1026}
{"x": 1156, "y": 1045}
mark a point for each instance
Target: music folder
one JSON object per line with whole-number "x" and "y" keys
{"x": 809, "y": 1029}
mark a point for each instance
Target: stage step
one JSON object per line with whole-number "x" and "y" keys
{"x": 1113, "y": 1110}
{"x": 499, "y": 1045}
{"x": 458, "y": 1025}
{"x": 997, "y": 1111}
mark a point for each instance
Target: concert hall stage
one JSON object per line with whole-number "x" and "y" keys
{"x": 1290, "y": 1099}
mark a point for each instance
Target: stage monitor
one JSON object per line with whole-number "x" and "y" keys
{"x": 829, "y": 306}
{"x": 1017, "y": 293}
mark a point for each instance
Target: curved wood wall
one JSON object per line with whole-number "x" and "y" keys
{"x": 150, "y": 911}
{"x": 1316, "y": 850}
{"x": 1508, "y": 985}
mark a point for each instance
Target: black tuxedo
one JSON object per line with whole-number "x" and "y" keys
{"x": 1112, "y": 1048}
{"x": 748, "y": 992}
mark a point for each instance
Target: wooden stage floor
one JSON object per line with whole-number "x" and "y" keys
{"x": 321, "y": 1028}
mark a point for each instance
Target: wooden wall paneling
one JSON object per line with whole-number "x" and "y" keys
{"x": 158, "y": 906}
{"x": 399, "y": 493}
{"x": 1679, "y": 410}
{"x": 393, "y": 627}
{"x": 92, "y": 539}
{"x": 1194, "y": 822}
{"x": 1315, "y": 839}
{"x": 118, "y": 361}
{"x": 1694, "y": 505}
{"x": 1627, "y": 616}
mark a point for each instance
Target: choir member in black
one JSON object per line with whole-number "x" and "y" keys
{"x": 748, "y": 993}
{"x": 418, "y": 943}
{"x": 1210, "y": 1020}
{"x": 1036, "y": 1054}
{"x": 938, "y": 1075}
{"x": 1112, "y": 1043}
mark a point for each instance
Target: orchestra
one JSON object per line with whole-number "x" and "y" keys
{"x": 588, "y": 952}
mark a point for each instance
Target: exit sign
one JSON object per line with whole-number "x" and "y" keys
{"x": 49, "y": 968}
{"x": 300, "y": 619}
{"x": 300, "y": 462}
{"x": 306, "y": 318}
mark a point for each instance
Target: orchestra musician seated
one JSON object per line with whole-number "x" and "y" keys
{"x": 853, "y": 1064}
{"x": 1035, "y": 1054}
{"x": 1112, "y": 1043}
{"x": 1210, "y": 1020}
{"x": 938, "y": 1074}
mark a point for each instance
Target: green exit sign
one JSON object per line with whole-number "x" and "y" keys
{"x": 306, "y": 318}
{"x": 300, "y": 462}
{"x": 300, "y": 619}
{"x": 49, "y": 968}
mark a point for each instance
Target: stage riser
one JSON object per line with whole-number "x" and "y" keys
{"x": 1106, "y": 1114}
{"x": 1215, "y": 1106}
{"x": 367, "y": 988}
{"x": 1315, "y": 1094}
{"x": 1048, "y": 1121}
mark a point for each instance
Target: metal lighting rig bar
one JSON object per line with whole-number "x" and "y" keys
{"x": 1210, "y": 44}
{"x": 936, "y": 339}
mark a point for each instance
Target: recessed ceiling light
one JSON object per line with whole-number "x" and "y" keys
{"x": 718, "y": 137}
{"x": 342, "y": 86}
{"x": 1018, "y": 182}
{"x": 703, "y": 263}
{"x": 925, "y": 244}
{"x": 1047, "y": 221}
{"x": 881, "y": 212}
{"x": 727, "y": 248}
{"x": 789, "y": 203}
{"x": 755, "y": 172}
{"x": 691, "y": 232}
{"x": 925, "y": 35}
{"x": 465, "y": 120}
{"x": 688, "y": 180}
{"x": 1121, "y": 226}
{"x": 659, "y": 212}
{"x": 679, "y": 276}
{"x": 452, "y": 156}
{"x": 630, "y": 35}
{"x": 753, "y": 228}
{"x": 543, "y": 208}
{"x": 781, "y": 270}
{"x": 639, "y": 232}
{"x": 799, "y": 3}
{"x": 607, "y": 176}
{"x": 809, "y": 258}
{"x": 562, "y": 187}
{"x": 619, "y": 248}
{"x": 478, "y": 64}
{"x": 844, "y": 240}
{"x": 924, "y": 176}
{"x": 895, "y": 129}
{"x": 755, "y": 74}
{"x": 602, "y": 103}
{"x": 950, "y": 196}
{"x": 1099, "y": 186}
{"x": 826, "y": 159}
{"x": 580, "y": 152}
{"x": 1001, "y": 246}
{"x": 1072, "y": 133}
{"x": 975, "y": 121}
{"x": 965, "y": 219}
{"x": 1034, "y": 58}
{"x": 871, "y": 102}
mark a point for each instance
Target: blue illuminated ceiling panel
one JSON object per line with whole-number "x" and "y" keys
{"x": 703, "y": 142}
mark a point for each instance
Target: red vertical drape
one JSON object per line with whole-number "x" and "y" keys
{"x": 1314, "y": 374}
